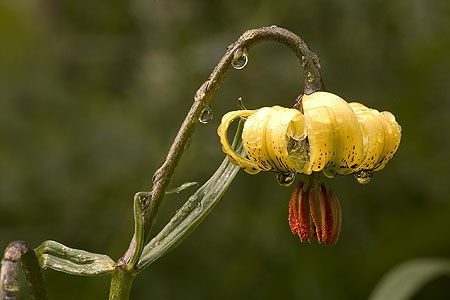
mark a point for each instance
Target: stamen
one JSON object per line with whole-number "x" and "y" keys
{"x": 315, "y": 209}
{"x": 337, "y": 214}
{"x": 317, "y": 204}
{"x": 299, "y": 217}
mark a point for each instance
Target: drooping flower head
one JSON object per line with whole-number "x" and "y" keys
{"x": 323, "y": 137}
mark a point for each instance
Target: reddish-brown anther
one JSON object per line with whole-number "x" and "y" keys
{"x": 316, "y": 207}
{"x": 294, "y": 222}
{"x": 299, "y": 218}
{"x": 335, "y": 208}
{"x": 317, "y": 204}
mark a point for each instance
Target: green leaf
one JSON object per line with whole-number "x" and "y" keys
{"x": 140, "y": 200}
{"x": 61, "y": 258}
{"x": 182, "y": 187}
{"x": 194, "y": 210}
{"x": 404, "y": 280}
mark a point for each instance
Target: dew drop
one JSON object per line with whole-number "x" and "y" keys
{"x": 273, "y": 26}
{"x": 329, "y": 172}
{"x": 309, "y": 77}
{"x": 285, "y": 179}
{"x": 363, "y": 177}
{"x": 240, "y": 58}
{"x": 303, "y": 60}
{"x": 206, "y": 115}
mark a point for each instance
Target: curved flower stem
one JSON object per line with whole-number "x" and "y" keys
{"x": 312, "y": 82}
{"x": 18, "y": 251}
{"x": 204, "y": 95}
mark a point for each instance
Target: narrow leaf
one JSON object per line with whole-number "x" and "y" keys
{"x": 404, "y": 280}
{"x": 194, "y": 210}
{"x": 61, "y": 258}
{"x": 182, "y": 187}
{"x": 139, "y": 201}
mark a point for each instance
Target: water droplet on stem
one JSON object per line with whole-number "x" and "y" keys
{"x": 206, "y": 115}
{"x": 240, "y": 58}
{"x": 303, "y": 60}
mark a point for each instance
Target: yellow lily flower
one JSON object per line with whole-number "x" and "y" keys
{"x": 325, "y": 134}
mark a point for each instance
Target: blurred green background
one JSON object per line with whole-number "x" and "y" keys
{"x": 93, "y": 92}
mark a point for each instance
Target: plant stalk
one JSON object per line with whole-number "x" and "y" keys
{"x": 121, "y": 282}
